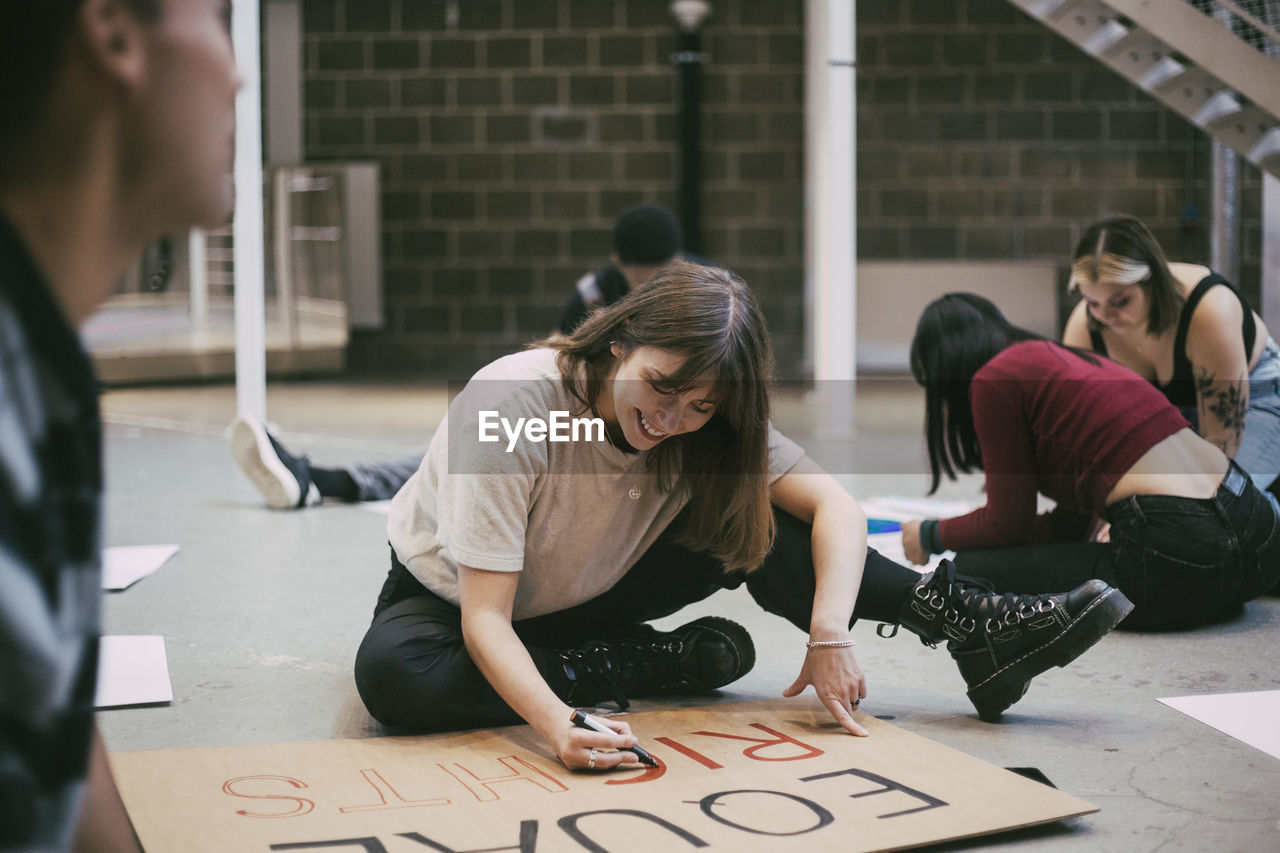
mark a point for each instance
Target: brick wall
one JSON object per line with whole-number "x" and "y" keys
{"x": 982, "y": 134}
{"x": 510, "y": 132}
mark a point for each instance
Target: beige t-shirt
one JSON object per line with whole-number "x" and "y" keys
{"x": 571, "y": 515}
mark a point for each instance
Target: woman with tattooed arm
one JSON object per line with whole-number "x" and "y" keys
{"x": 1184, "y": 328}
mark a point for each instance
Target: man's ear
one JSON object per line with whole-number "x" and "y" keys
{"x": 112, "y": 37}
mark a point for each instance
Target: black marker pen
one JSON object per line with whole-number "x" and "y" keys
{"x": 585, "y": 721}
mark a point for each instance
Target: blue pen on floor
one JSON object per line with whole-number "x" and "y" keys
{"x": 585, "y": 721}
{"x": 880, "y": 525}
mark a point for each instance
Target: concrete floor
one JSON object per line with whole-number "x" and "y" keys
{"x": 262, "y": 612}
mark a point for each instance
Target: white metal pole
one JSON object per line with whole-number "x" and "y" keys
{"x": 247, "y": 233}
{"x": 198, "y": 277}
{"x": 831, "y": 195}
{"x": 1270, "y": 289}
{"x": 815, "y": 55}
{"x": 282, "y": 252}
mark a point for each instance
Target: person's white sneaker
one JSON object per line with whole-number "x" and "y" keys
{"x": 283, "y": 479}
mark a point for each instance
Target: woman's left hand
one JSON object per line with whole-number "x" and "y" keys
{"x": 838, "y": 681}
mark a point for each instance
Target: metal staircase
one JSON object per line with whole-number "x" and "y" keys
{"x": 1212, "y": 61}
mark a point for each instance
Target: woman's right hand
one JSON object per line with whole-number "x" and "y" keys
{"x": 486, "y": 600}
{"x": 574, "y": 746}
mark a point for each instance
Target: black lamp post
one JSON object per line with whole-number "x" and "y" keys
{"x": 689, "y": 58}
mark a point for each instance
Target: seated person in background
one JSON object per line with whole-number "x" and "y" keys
{"x": 1191, "y": 537}
{"x": 1185, "y": 329}
{"x": 646, "y": 239}
{"x": 522, "y": 576}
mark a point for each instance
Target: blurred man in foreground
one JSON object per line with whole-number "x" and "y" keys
{"x": 117, "y": 123}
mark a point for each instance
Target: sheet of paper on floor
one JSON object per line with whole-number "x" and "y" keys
{"x": 893, "y": 508}
{"x": 132, "y": 670}
{"x": 1249, "y": 717}
{"x": 125, "y": 565}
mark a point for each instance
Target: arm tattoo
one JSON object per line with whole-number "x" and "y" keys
{"x": 1228, "y": 405}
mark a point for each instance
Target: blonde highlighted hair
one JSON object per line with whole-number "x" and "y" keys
{"x": 1121, "y": 250}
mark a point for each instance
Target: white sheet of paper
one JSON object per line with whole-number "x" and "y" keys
{"x": 911, "y": 509}
{"x": 1248, "y": 717}
{"x": 124, "y": 565}
{"x": 908, "y": 509}
{"x": 132, "y": 670}
{"x": 890, "y": 545}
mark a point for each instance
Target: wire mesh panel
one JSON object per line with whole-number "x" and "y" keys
{"x": 1255, "y": 21}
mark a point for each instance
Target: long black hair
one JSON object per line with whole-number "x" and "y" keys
{"x": 956, "y": 335}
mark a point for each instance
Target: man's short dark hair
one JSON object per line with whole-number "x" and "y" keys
{"x": 646, "y": 234}
{"x": 33, "y": 42}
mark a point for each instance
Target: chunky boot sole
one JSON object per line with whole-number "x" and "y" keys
{"x": 997, "y": 690}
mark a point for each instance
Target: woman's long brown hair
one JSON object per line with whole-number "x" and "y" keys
{"x": 709, "y": 316}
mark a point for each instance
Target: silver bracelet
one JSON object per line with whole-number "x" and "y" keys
{"x": 829, "y": 644}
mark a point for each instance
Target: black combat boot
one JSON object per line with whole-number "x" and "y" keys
{"x": 1001, "y": 642}
{"x": 641, "y": 661}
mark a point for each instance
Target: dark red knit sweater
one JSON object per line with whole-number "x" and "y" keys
{"x": 1050, "y": 422}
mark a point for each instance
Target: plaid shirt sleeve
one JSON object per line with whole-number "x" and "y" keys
{"x": 50, "y": 553}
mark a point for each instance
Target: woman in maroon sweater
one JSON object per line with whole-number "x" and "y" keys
{"x": 1190, "y": 537}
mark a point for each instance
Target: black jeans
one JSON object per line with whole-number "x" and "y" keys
{"x": 413, "y": 670}
{"x": 1183, "y": 562}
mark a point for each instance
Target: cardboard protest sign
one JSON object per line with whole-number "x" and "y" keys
{"x": 766, "y": 775}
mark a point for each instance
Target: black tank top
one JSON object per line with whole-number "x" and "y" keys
{"x": 1181, "y": 389}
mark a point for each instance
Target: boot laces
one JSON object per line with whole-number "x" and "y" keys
{"x": 978, "y": 596}
{"x": 592, "y": 667}
{"x": 1011, "y": 609}
{"x": 650, "y": 661}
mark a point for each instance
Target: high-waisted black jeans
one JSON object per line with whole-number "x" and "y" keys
{"x": 413, "y": 670}
{"x": 1183, "y": 562}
